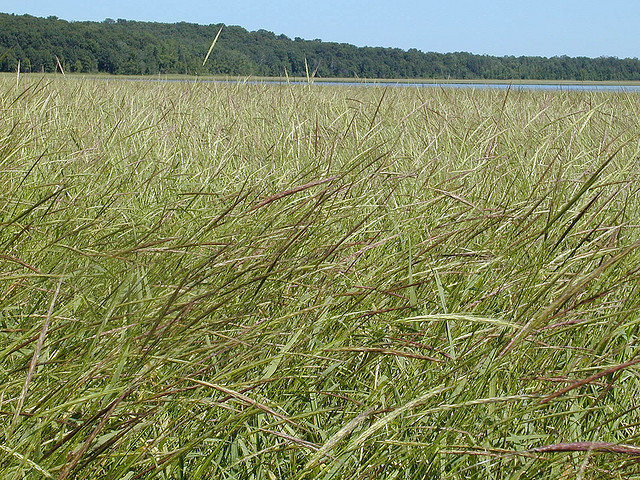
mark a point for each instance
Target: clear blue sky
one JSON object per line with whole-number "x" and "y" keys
{"x": 496, "y": 27}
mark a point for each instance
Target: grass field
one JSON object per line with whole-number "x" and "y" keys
{"x": 206, "y": 281}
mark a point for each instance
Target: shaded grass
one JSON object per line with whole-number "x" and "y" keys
{"x": 269, "y": 281}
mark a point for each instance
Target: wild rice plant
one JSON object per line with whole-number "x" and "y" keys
{"x": 205, "y": 280}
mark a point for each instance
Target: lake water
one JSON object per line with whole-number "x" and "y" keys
{"x": 609, "y": 87}
{"x": 521, "y": 86}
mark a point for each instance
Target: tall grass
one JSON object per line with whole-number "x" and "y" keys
{"x": 275, "y": 281}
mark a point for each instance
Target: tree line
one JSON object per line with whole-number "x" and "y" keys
{"x": 141, "y": 48}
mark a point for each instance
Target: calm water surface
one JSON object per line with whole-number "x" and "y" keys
{"x": 472, "y": 86}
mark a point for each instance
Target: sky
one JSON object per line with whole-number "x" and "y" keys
{"x": 590, "y": 28}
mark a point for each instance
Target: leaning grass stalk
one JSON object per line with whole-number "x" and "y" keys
{"x": 211, "y": 47}
{"x": 323, "y": 451}
{"x": 34, "y": 358}
{"x": 387, "y": 419}
{"x": 59, "y": 65}
{"x": 291, "y": 191}
{"x": 571, "y": 290}
{"x": 30, "y": 463}
{"x": 77, "y": 456}
{"x": 306, "y": 71}
{"x": 601, "y": 447}
{"x": 245, "y": 399}
{"x": 590, "y": 379}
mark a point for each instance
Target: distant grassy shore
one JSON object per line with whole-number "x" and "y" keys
{"x": 259, "y": 281}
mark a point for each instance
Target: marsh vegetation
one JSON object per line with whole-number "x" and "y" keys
{"x": 269, "y": 281}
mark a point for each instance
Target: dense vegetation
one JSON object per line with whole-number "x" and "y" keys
{"x": 268, "y": 281}
{"x": 128, "y": 47}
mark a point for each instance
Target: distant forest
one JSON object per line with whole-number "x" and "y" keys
{"x": 142, "y": 48}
